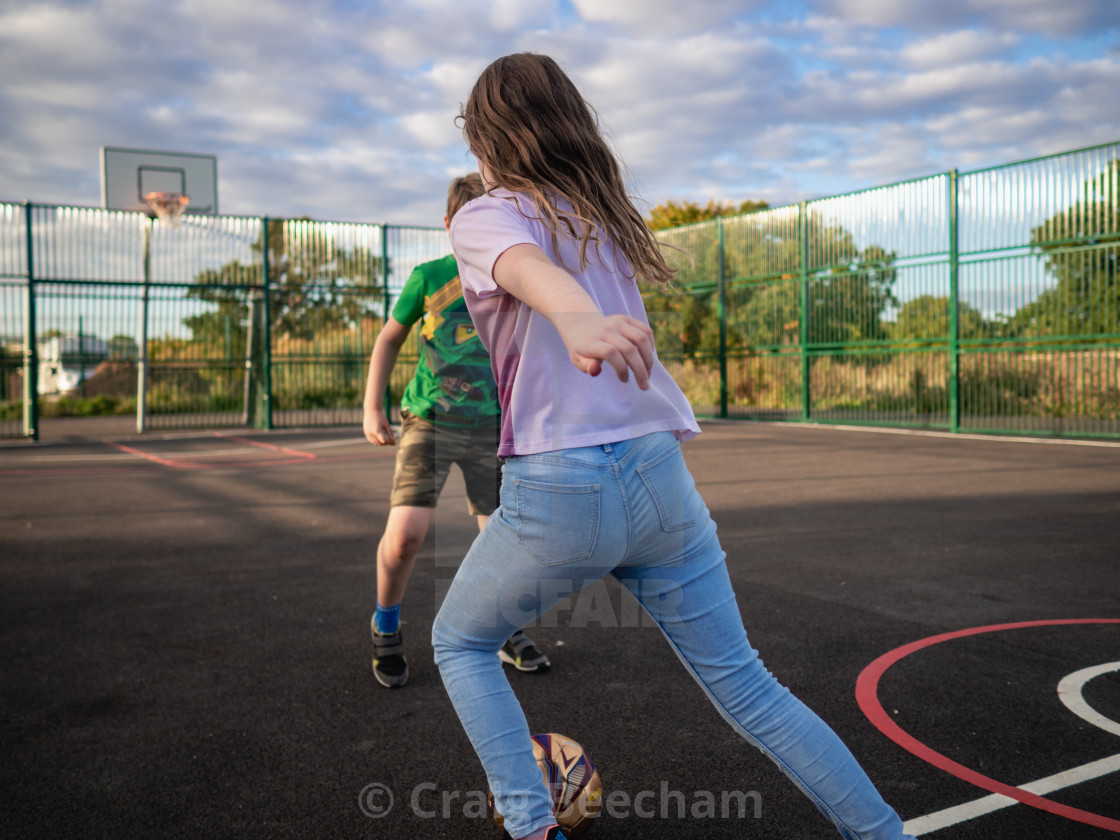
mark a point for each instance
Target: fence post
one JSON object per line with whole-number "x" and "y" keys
{"x": 954, "y": 304}
{"x": 263, "y": 412}
{"x": 142, "y": 361}
{"x": 30, "y": 343}
{"x": 388, "y": 397}
{"x": 803, "y": 244}
{"x": 721, "y": 281}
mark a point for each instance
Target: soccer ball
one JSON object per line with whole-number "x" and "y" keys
{"x": 572, "y": 780}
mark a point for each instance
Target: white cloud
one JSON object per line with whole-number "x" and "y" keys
{"x": 894, "y": 153}
{"x": 432, "y": 129}
{"x": 342, "y": 109}
{"x": 1050, "y": 17}
{"x": 988, "y": 127}
{"x": 663, "y": 17}
{"x": 987, "y": 80}
{"x": 962, "y": 46}
{"x": 511, "y": 15}
{"x": 645, "y": 72}
{"x": 247, "y": 16}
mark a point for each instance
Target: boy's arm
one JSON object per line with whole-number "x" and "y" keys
{"x": 386, "y": 348}
{"x": 591, "y": 338}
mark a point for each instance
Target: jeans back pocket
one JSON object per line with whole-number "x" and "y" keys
{"x": 674, "y": 493}
{"x": 557, "y": 523}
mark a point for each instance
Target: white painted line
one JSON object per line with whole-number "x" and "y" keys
{"x": 1069, "y": 692}
{"x": 31, "y": 459}
{"x": 324, "y": 444}
{"x": 887, "y": 430}
{"x": 994, "y": 802}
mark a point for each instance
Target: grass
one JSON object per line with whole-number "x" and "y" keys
{"x": 1071, "y": 384}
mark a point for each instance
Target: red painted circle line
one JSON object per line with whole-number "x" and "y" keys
{"x": 867, "y": 695}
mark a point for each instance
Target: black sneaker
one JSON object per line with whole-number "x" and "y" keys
{"x": 520, "y": 652}
{"x": 389, "y": 665}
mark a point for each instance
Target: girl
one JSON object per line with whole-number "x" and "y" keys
{"x": 594, "y": 482}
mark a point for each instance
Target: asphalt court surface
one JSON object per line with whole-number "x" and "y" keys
{"x": 185, "y": 652}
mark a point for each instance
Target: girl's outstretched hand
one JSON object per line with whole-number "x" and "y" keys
{"x": 593, "y": 339}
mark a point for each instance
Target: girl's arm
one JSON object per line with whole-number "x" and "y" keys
{"x": 591, "y": 338}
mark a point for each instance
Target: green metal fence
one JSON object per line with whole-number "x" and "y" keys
{"x": 217, "y": 322}
{"x": 980, "y": 301}
{"x": 986, "y": 301}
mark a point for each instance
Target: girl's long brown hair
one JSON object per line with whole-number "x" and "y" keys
{"x": 527, "y": 123}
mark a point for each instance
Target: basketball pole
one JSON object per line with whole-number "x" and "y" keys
{"x": 166, "y": 207}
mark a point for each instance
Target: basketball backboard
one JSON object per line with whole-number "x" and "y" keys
{"x": 127, "y": 175}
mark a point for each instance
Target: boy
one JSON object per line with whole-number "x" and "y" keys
{"x": 449, "y": 414}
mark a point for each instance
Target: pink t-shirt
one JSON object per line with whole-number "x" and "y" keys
{"x": 547, "y": 403}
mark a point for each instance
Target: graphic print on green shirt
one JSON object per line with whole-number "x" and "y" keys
{"x": 453, "y": 383}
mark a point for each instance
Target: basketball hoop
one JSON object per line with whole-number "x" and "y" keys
{"x": 168, "y": 206}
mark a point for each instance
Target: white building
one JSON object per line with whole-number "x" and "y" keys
{"x": 65, "y": 360}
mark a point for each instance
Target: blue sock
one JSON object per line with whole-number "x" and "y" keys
{"x": 387, "y": 620}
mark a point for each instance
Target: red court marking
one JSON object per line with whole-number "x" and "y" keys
{"x": 309, "y": 455}
{"x": 187, "y": 464}
{"x": 867, "y": 695}
{"x": 180, "y": 464}
{"x": 154, "y": 458}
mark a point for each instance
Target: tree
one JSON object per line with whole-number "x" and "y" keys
{"x": 688, "y": 321}
{"x": 685, "y": 321}
{"x": 316, "y": 284}
{"x": 123, "y": 346}
{"x": 1081, "y": 249}
{"x": 928, "y": 317}
{"x": 762, "y": 266}
{"x": 671, "y": 214}
{"x": 847, "y": 298}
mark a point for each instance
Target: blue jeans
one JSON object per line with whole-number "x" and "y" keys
{"x": 628, "y": 509}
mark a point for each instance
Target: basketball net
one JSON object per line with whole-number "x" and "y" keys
{"x": 168, "y": 206}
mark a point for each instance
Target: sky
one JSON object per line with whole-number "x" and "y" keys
{"x": 345, "y": 109}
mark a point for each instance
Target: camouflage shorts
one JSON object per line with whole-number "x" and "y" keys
{"x": 424, "y": 458}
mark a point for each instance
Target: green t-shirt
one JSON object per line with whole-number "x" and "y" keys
{"x": 453, "y": 384}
